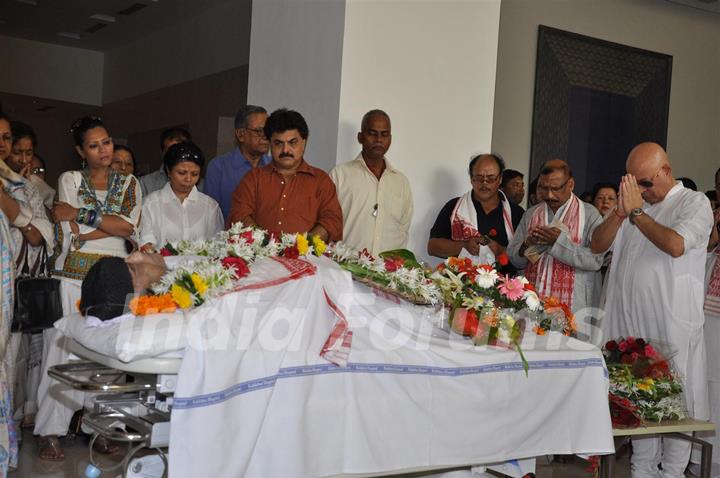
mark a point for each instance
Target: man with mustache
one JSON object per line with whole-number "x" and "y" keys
{"x": 375, "y": 197}
{"x": 288, "y": 195}
{"x": 552, "y": 242}
{"x": 482, "y": 221}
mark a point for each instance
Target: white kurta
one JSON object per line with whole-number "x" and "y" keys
{"x": 166, "y": 219}
{"x": 660, "y": 298}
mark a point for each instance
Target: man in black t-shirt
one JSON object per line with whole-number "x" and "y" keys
{"x": 482, "y": 221}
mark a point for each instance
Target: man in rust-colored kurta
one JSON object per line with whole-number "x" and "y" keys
{"x": 288, "y": 195}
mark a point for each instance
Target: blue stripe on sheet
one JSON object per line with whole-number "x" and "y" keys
{"x": 198, "y": 401}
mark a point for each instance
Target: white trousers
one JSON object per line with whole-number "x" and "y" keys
{"x": 57, "y": 402}
{"x": 648, "y": 453}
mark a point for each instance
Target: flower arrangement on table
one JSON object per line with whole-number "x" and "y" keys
{"x": 494, "y": 309}
{"x": 642, "y": 384}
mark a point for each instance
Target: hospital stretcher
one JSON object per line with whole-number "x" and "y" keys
{"x": 132, "y": 405}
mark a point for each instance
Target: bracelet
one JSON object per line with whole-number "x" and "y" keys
{"x": 82, "y": 215}
{"x": 97, "y": 220}
{"x": 89, "y": 217}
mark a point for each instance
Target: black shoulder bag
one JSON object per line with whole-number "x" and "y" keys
{"x": 37, "y": 295}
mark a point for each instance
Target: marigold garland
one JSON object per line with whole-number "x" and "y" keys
{"x": 152, "y": 304}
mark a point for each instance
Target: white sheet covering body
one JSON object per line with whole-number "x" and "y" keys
{"x": 255, "y": 399}
{"x": 410, "y": 397}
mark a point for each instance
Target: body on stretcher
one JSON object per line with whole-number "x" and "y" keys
{"x": 133, "y": 404}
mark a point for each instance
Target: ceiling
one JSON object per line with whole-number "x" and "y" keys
{"x": 44, "y": 20}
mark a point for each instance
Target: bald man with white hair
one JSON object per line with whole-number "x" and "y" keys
{"x": 658, "y": 234}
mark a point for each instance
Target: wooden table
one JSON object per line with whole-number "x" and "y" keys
{"x": 669, "y": 429}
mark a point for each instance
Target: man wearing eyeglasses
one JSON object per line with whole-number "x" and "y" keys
{"x": 482, "y": 221}
{"x": 552, "y": 242}
{"x": 225, "y": 172}
{"x": 376, "y": 198}
{"x": 658, "y": 234}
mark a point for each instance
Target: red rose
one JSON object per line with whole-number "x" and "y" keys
{"x": 611, "y": 345}
{"x": 391, "y": 265}
{"x": 165, "y": 252}
{"x": 623, "y": 346}
{"x": 502, "y": 258}
{"x": 248, "y": 236}
{"x": 630, "y": 340}
{"x": 492, "y": 232}
{"x": 626, "y": 359}
{"x": 291, "y": 252}
{"x": 237, "y": 264}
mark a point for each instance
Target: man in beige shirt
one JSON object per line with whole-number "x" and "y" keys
{"x": 376, "y": 199}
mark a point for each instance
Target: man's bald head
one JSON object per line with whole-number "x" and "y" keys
{"x": 649, "y": 163}
{"x": 650, "y": 155}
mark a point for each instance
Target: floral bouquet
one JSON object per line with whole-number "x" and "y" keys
{"x": 642, "y": 384}
{"x": 491, "y": 308}
{"x": 226, "y": 260}
{"x": 397, "y": 272}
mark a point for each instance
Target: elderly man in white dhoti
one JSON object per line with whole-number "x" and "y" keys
{"x": 552, "y": 241}
{"x": 659, "y": 233}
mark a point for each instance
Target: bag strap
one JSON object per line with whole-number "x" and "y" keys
{"x": 23, "y": 259}
{"x": 41, "y": 261}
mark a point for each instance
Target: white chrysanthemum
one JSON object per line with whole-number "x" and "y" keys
{"x": 486, "y": 278}
{"x": 377, "y": 265}
{"x": 532, "y": 300}
{"x": 218, "y": 278}
{"x": 365, "y": 261}
{"x": 341, "y": 252}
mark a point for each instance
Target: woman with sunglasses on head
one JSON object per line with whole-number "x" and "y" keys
{"x": 179, "y": 211}
{"x": 97, "y": 211}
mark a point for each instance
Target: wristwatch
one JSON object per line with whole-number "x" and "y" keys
{"x": 635, "y": 213}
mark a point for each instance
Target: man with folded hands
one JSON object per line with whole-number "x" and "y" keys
{"x": 552, "y": 242}
{"x": 658, "y": 234}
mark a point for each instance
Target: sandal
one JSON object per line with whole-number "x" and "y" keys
{"x": 105, "y": 447}
{"x": 50, "y": 449}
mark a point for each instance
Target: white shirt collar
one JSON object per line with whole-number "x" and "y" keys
{"x": 169, "y": 194}
{"x": 361, "y": 163}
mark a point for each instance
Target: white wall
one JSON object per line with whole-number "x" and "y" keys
{"x": 431, "y": 66}
{"x": 51, "y": 71}
{"x": 296, "y": 50}
{"x": 691, "y": 36}
{"x": 214, "y": 41}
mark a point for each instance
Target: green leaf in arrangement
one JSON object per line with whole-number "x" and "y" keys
{"x": 410, "y": 261}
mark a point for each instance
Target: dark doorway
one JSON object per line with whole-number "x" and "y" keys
{"x": 594, "y": 101}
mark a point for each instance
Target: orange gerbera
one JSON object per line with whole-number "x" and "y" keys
{"x": 539, "y": 330}
{"x": 152, "y": 304}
